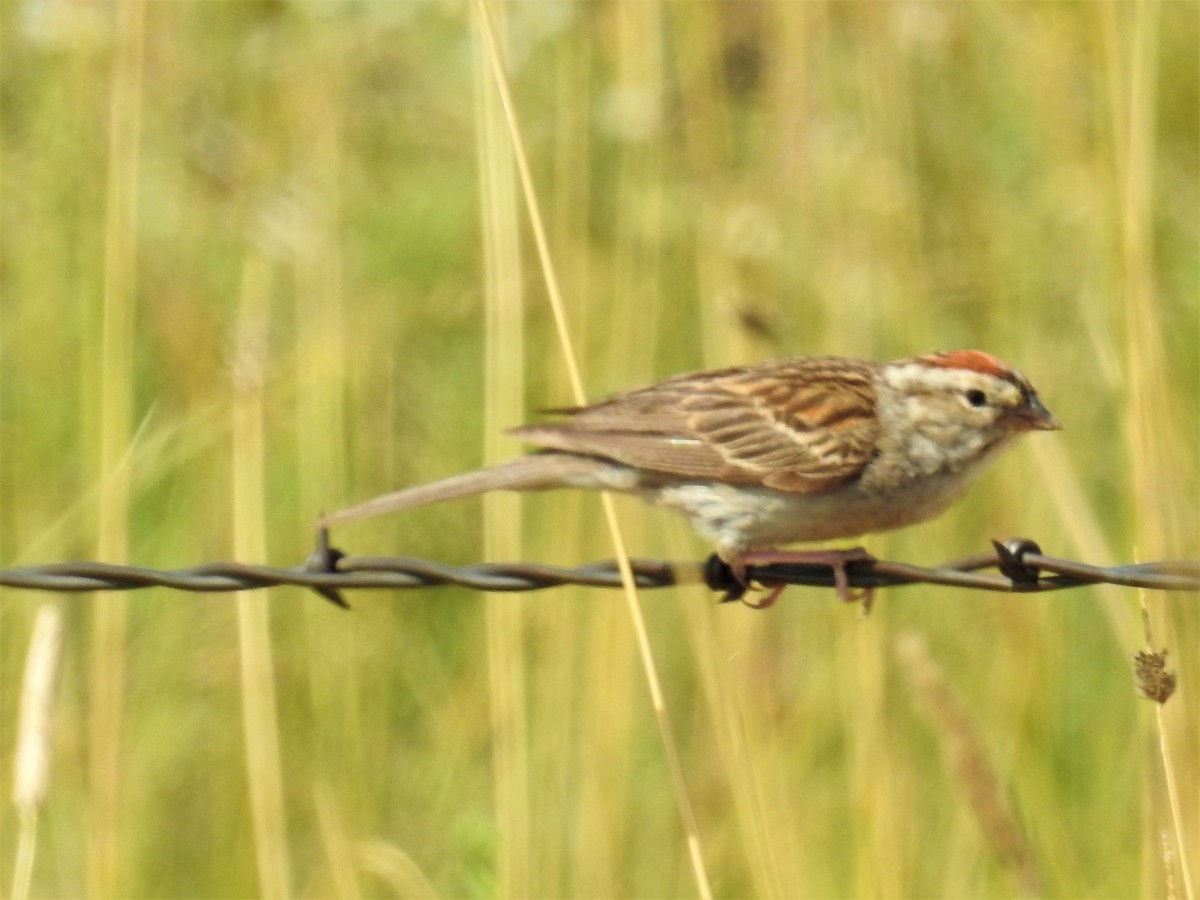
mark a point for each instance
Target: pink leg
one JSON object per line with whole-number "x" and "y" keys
{"x": 835, "y": 559}
{"x": 767, "y": 601}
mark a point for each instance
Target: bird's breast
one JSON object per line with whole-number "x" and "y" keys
{"x": 740, "y": 517}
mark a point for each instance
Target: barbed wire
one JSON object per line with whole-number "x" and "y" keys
{"x": 1019, "y": 564}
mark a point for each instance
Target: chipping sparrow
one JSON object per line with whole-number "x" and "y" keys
{"x": 806, "y": 449}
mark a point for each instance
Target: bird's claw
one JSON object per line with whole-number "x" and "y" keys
{"x": 836, "y": 560}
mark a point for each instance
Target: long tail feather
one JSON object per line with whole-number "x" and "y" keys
{"x": 535, "y": 472}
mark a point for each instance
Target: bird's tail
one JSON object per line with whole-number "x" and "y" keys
{"x": 535, "y": 472}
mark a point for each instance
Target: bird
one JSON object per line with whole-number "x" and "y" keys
{"x": 785, "y": 451}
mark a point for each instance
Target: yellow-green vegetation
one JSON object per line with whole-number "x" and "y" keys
{"x": 266, "y": 259}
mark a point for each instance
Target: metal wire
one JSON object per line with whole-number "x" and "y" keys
{"x": 1020, "y": 566}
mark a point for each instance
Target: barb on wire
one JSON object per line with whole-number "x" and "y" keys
{"x": 1020, "y": 566}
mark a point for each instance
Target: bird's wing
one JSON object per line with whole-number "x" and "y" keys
{"x": 801, "y": 425}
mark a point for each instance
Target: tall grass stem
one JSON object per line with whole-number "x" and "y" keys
{"x": 259, "y": 714}
{"x": 695, "y": 851}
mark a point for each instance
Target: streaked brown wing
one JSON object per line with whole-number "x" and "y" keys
{"x": 798, "y": 425}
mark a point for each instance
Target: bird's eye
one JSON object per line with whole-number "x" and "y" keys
{"x": 976, "y": 398}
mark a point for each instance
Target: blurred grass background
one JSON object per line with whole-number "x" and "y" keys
{"x": 262, "y": 259}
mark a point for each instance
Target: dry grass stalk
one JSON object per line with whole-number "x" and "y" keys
{"x": 1155, "y": 682}
{"x": 31, "y": 767}
{"x": 545, "y": 260}
{"x": 970, "y": 763}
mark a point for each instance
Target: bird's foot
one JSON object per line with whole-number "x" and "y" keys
{"x": 837, "y": 560}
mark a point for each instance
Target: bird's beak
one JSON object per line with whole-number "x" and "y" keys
{"x": 1033, "y": 416}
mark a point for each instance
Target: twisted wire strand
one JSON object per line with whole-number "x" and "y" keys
{"x": 1019, "y": 563}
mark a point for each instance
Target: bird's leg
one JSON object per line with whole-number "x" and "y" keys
{"x": 741, "y": 579}
{"x": 738, "y": 566}
{"x": 768, "y": 601}
{"x": 834, "y": 559}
